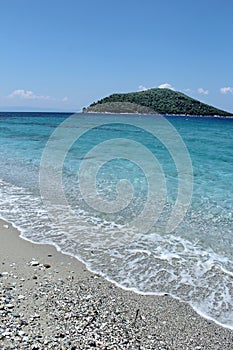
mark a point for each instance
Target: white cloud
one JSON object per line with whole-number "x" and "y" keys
{"x": 28, "y": 95}
{"x": 64, "y": 99}
{"x": 202, "y": 91}
{"x": 188, "y": 90}
{"x": 226, "y": 90}
{"x": 166, "y": 86}
{"x": 161, "y": 86}
{"x": 142, "y": 88}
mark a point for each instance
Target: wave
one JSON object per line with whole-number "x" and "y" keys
{"x": 153, "y": 263}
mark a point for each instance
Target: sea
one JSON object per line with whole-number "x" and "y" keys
{"x": 145, "y": 201}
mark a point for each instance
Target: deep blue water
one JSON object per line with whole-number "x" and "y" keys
{"x": 143, "y": 200}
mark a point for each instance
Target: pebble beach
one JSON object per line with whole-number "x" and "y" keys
{"x": 49, "y": 300}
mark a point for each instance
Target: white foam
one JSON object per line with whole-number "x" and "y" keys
{"x": 147, "y": 264}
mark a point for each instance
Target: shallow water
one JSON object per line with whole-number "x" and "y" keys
{"x": 62, "y": 184}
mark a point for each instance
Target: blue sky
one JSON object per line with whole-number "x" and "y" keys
{"x": 63, "y": 55}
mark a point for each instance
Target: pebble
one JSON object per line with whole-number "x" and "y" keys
{"x": 47, "y": 266}
{"x": 34, "y": 263}
{"x": 89, "y": 296}
{"x": 21, "y": 333}
{"x": 20, "y": 296}
{"x": 60, "y": 313}
{"x": 35, "y": 347}
{"x": 6, "y": 334}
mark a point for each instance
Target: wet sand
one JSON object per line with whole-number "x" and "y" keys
{"x": 49, "y": 300}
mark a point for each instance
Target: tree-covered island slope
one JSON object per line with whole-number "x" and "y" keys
{"x": 154, "y": 101}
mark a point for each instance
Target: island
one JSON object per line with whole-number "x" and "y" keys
{"x": 154, "y": 101}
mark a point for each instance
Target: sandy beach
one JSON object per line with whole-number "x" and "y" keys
{"x": 49, "y": 300}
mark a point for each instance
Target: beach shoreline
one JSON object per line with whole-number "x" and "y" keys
{"x": 50, "y": 300}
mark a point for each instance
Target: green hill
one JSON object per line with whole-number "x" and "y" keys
{"x": 154, "y": 101}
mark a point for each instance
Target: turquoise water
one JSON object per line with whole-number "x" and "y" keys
{"x": 63, "y": 184}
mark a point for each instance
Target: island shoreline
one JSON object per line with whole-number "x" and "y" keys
{"x": 161, "y": 115}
